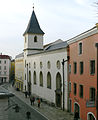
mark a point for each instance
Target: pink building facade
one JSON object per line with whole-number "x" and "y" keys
{"x": 83, "y": 74}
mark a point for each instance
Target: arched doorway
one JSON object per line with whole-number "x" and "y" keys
{"x": 90, "y": 116}
{"x": 58, "y": 90}
{"x": 29, "y": 82}
{"x": 77, "y": 108}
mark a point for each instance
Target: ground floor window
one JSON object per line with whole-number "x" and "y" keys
{"x": 91, "y": 116}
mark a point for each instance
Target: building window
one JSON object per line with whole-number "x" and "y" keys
{"x": 5, "y": 62}
{"x": 48, "y": 65}
{"x": 92, "y": 67}
{"x": 29, "y": 65}
{"x": 34, "y": 77}
{"x": 75, "y": 88}
{"x": 0, "y": 61}
{"x": 4, "y": 73}
{"x": 58, "y": 81}
{"x": 35, "y": 39}
{"x": 81, "y": 91}
{"x": 81, "y": 67}
{"x": 80, "y": 48}
{"x": 4, "y": 67}
{"x": 58, "y": 64}
{"x": 0, "y": 67}
{"x": 69, "y": 86}
{"x": 75, "y": 67}
{"x": 0, "y": 72}
{"x": 34, "y": 65}
{"x": 69, "y": 68}
{"x": 41, "y": 65}
{"x": 25, "y": 39}
{"x": 25, "y": 76}
{"x": 25, "y": 63}
{"x": 41, "y": 79}
{"x": 49, "y": 80}
{"x": 92, "y": 94}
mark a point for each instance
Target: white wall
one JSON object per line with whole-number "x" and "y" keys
{"x": 53, "y": 57}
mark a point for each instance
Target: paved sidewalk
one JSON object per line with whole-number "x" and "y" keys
{"x": 51, "y": 113}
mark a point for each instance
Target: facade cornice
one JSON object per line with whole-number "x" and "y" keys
{"x": 81, "y": 36}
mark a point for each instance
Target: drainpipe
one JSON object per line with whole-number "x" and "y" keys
{"x": 97, "y": 83}
{"x": 63, "y": 62}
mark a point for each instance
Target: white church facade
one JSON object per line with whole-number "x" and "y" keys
{"x": 43, "y": 69}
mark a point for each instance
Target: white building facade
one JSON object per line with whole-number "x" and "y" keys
{"x": 5, "y": 68}
{"x": 43, "y": 72}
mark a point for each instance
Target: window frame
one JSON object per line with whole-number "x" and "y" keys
{"x": 92, "y": 70}
{"x": 81, "y": 91}
{"x": 75, "y": 88}
{"x": 81, "y": 67}
{"x": 80, "y": 48}
{"x": 75, "y": 67}
{"x": 91, "y": 96}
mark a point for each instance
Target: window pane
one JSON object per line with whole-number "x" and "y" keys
{"x": 75, "y": 67}
{"x": 75, "y": 88}
{"x": 81, "y": 67}
{"x": 92, "y": 94}
{"x": 80, "y": 48}
{"x": 81, "y": 91}
{"x": 92, "y": 67}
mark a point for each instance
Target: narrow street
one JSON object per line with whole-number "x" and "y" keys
{"x": 45, "y": 112}
{"x": 23, "y": 108}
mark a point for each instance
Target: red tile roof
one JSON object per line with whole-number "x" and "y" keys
{"x": 4, "y": 57}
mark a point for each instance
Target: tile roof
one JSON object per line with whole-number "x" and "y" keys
{"x": 5, "y": 57}
{"x": 33, "y": 26}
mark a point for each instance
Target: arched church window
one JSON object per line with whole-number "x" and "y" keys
{"x": 34, "y": 77}
{"x": 41, "y": 78}
{"x": 41, "y": 65}
{"x": 35, "y": 39}
{"x": 49, "y": 80}
{"x": 58, "y": 64}
{"x": 58, "y": 81}
{"x": 48, "y": 65}
{"x": 34, "y": 65}
{"x": 25, "y": 76}
{"x": 25, "y": 63}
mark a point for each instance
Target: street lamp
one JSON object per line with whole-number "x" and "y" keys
{"x": 97, "y": 82}
{"x": 63, "y": 62}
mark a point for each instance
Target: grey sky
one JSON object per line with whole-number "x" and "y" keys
{"x": 59, "y": 19}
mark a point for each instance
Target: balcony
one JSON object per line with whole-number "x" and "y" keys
{"x": 90, "y": 103}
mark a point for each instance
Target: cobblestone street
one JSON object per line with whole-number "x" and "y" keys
{"x": 51, "y": 113}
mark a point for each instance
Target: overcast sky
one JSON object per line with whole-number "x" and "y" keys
{"x": 59, "y": 19}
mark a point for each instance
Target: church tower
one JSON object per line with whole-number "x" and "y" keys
{"x": 33, "y": 36}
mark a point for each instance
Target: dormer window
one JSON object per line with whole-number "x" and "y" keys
{"x": 35, "y": 39}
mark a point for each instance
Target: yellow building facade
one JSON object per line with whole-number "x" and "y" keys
{"x": 19, "y": 71}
